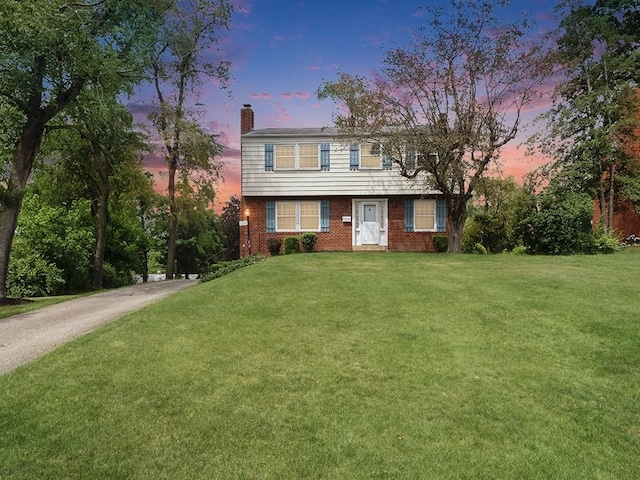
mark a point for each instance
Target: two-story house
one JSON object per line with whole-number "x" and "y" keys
{"x": 297, "y": 180}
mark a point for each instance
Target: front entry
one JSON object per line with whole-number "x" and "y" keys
{"x": 370, "y": 225}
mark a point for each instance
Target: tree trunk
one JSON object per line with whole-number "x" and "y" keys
{"x": 456, "y": 216}
{"x": 173, "y": 221}
{"x": 603, "y": 213}
{"x": 11, "y": 201}
{"x": 101, "y": 238}
{"x": 612, "y": 171}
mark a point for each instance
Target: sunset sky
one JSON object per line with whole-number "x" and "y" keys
{"x": 281, "y": 51}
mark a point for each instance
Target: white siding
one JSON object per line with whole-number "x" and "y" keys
{"x": 339, "y": 180}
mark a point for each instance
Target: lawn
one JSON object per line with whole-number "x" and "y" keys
{"x": 349, "y": 366}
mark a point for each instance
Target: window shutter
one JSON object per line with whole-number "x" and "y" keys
{"x": 271, "y": 217}
{"x": 386, "y": 162}
{"x": 410, "y": 162}
{"x": 441, "y": 215}
{"x": 324, "y": 157}
{"x": 354, "y": 157}
{"x": 408, "y": 215}
{"x": 324, "y": 216}
{"x": 268, "y": 157}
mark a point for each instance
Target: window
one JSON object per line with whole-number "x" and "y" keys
{"x": 297, "y": 216}
{"x": 297, "y": 156}
{"x": 370, "y": 155}
{"x": 425, "y": 214}
{"x": 285, "y": 156}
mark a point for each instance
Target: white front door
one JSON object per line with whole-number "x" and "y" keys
{"x": 370, "y": 225}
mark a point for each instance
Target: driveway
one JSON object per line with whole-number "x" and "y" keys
{"x": 29, "y": 335}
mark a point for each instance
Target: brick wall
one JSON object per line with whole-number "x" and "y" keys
{"x": 339, "y": 236}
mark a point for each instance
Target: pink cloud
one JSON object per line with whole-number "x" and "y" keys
{"x": 287, "y": 95}
{"x": 314, "y": 67}
{"x": 302, "y": 95}
{"x": 259, "y": 96}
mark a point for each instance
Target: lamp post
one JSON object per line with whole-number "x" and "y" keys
{"x": 246, "y": 212}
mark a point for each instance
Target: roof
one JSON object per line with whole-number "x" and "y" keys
{"x": 294, "y": 132}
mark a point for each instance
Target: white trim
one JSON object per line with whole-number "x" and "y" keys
{"x": 356, "y": 215}
{"x": 435, "y": 215}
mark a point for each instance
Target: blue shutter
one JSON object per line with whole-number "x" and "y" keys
{"x": 324, "y": 157}
{"x": 410, "y": 162}
{"x": 268, "y": 157}
{"x": 324, "y": 216}
{"x": 441, "y": 215}
{"x": 271, "y": 217}
{"x": 354, "y": 157}
{"x": 408, "y": 215}
{"x": 386, "y": 162}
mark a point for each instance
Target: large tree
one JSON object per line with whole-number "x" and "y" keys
{"x": 183, "y": 60}
{"x": 443, "y": 107}
{"x": 590, "y": 129}
{"x": 50, "y": 51}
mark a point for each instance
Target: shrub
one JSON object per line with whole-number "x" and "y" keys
{"x": 33, "y": 276}
{"x": 308, "y": 240}
{"x": 519, "y": 250}
{"x": 605, "y": 244}
{"x": 479, "y": 249}
{"x": 441, "y": 243}
{"x": 274, "y": 244}
{"x": 291, "y": 245}
{"x": 232, "y": 266}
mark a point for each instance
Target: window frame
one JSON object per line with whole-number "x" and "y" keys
{"x": 297, "y": 204}
{"x": 371, "y": 146}
{"x": 416, "y": 202}
{"x": 296, "y": 156}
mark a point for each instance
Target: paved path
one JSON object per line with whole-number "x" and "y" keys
{"x": 29, "y": 335}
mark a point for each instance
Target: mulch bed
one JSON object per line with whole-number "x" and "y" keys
{"x": 13, "y": 301}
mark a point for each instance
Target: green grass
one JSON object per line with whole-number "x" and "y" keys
{"x": 349, "y": 366}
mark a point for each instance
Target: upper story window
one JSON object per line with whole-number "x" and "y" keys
{"x": 297, "y": 156}
{"x": 370, "y": 155}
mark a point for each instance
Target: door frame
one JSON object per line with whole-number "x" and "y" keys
{"x": 357, "y": 213}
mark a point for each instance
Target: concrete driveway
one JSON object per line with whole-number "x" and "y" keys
{"x": 29, "y": 335}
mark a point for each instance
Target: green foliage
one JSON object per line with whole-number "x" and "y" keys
{"x": 605, "y": 244}
{"x": 33, "y": 276}
{"x": 231, "y": 229}
{"x": 441, "y": 243}
{"x": 560, "y": 225}
{"x": 274, "y": 244}
{"x": 479, "y": 249}
{"x": 291, "y": 245}
{"x": 308, "y": 241}
{"x": 232, "y": 267}
{"x": 519, "y": 250}
{"x": 60, "y": 235}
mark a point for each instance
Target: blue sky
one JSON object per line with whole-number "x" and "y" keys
{"x": 281, "y": 51}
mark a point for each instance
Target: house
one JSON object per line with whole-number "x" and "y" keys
{"x": 297, "y": 180}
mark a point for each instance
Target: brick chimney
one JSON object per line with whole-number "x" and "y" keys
{"x": 246, "y": 119}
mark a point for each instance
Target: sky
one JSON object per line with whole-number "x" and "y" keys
{"x": 281, "y": 52}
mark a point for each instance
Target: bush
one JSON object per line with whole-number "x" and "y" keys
{"x": 479, "y": 249}
{"x": 291, "y": 245}
{"x": 441, "y": 243}
{"x": 232, "y": 267}
{"x": 33, "y": 276}
{"x": 605, "y": 244}
{"x": 308, "y": 240}
{"x": 519, "y": 250}
{"x": 274, "y": 244}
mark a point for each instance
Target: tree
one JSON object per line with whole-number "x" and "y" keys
{"x": 50, "y": 51}
{"x": 231, "y": 228}
{"x": 96, "y": 143}
{"x": 591, "y": 127}
{"x": 443, "y": 107}
{"x": 180, "y": 63}
{"x": 493, "y": 215}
